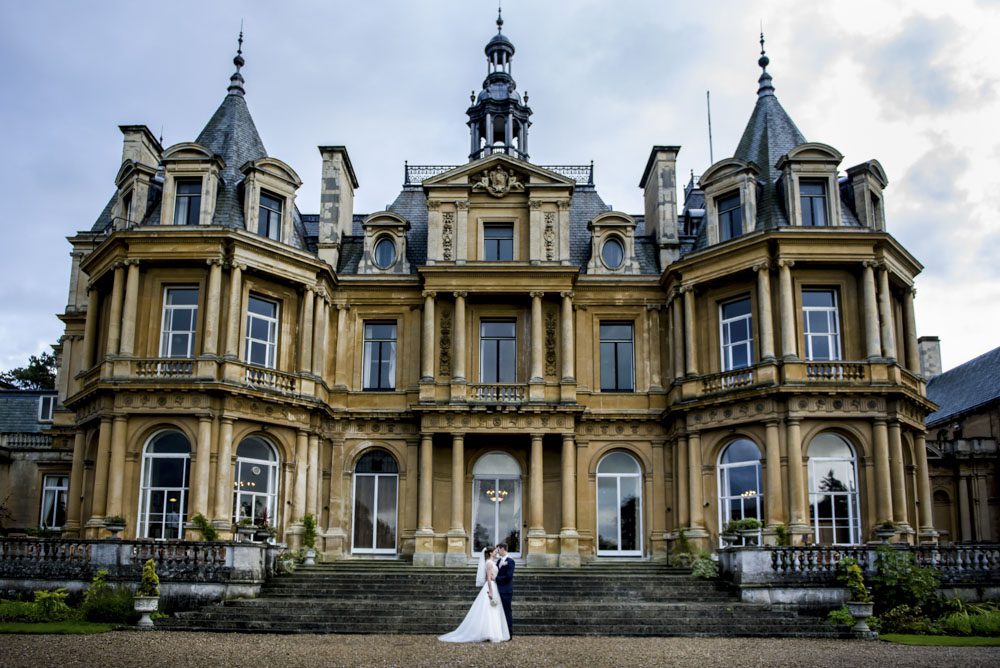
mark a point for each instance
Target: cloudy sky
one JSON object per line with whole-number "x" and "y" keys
{"x": 913, "y": 84}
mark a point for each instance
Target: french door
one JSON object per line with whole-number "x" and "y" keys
{"x": 619, "y": 506}
{"x": 375, "y": 502}
{"x": 496, "y": 513}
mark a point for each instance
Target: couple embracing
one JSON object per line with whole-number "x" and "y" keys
{"x": 489, "y": 618}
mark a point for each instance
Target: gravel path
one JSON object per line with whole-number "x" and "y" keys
{"x": 159, "y": 648}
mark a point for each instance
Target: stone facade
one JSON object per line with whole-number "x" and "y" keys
{"x": 498, "y": 336}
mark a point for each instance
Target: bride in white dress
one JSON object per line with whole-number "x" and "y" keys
{"x": 485, "y": 619}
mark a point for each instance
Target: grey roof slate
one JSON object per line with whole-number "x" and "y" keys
{"x": 964, "y": 388}
{"x": 19, "y": 411}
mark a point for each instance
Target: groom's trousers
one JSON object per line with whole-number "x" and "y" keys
{"x": 505, "y": 599}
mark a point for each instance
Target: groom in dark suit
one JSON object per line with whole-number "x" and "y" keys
{"x": 505, "y": 584}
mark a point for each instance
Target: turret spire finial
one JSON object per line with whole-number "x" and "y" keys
{"x": 236, "y": 81}
{"x": 499, "y": 17}
{"x": 765, "y": 87}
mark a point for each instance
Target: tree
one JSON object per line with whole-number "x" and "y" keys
{"x": 39, "y": 374}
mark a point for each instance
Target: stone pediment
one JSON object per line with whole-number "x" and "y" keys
{"x": 498, "y": 175}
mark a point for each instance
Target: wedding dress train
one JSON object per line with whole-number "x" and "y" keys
{"x": 483, "y": 621}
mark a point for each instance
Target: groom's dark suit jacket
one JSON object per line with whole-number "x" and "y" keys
{"x": 505, "y": 578}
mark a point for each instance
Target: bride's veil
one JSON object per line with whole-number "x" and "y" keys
{"x": 481, "y": 570}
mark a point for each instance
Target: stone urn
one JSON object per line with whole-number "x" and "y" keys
{"x": 246, "y": 532}
{"x": 729, "y": 539}
{"x": 749, "y": 536}
{"x": 310, "y": 558}
{"x": 146, "y": 605}
{"x": 861, "y": 611}
{"x": 115, "y": 528}
{"x": 885, "y": 533}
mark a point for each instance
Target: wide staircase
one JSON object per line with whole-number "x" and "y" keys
{"x": 634, "y": 599}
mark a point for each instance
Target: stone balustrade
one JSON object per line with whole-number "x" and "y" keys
{"x": 839, "y": 372}
{"x": 156, "y": 367}
{"x": 498, "y": 393}
{"x": 270, "y": 379}
{"x": 25, "y": 440}
{"x": 728, "y": 380}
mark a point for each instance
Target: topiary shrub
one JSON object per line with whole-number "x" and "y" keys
{"x": 150, "y": 584}
{"x": 309, "y": 531}
{"x": 208, "y": 532}
{"x": 850, "y": 575}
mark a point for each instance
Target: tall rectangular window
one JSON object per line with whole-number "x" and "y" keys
{"x": 380, "y": 356}
{"x": 498, "y": 242}
{"x": 269, "y": 216}
{"x": 262, "y": 332}
{"x": 821, "y": 324}
{"x": 497, "y": 351}
{"x": 730, "y": 216}
{"x": 180, "y": 315}
{"x": 812, "y": 195}
{"x": 46, "y": 405}
{"x": 617, "y": 369}
{"x": 187, "y": 202}
{"x": 736, "y": 334}
{"x": 127, "y": 210}
{"x": 55, "y": 493}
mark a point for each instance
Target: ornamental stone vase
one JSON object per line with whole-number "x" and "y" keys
{"x": 861, "y": 611}
{"x": 146, "y": 605}
{"x": 310, "y": 559}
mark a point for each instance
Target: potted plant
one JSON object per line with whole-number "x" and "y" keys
{"x": 729, "y": 533}
{"x": 859, "y": 599}
{"x": 748, "y": 528}
{"x": 265, "y": 531}
{"x": 309, "y": 539}
{"x": 115, "y": 524}
{"x": 885, "y": 531}
{"x": 147, "y": 595}
{"x": 246, "y": 529}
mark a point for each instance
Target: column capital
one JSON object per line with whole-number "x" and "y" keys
{"x": 792, "y": 421}
{"x": 567, "y": 294}
{"x": 131, "y": 262}
{"x": 215, "y": 262}
{"x": 871, "y": 264}
{"x": 654, "y": 307}
{"x": 537, "y": 436}
{"x": 227, "y": 420}
{"x": 785, "y": 262}
{"x": 460, "y": 294}
{"x": 238, "y": 265}
{"x": 462, "y": 204}
{"x": 880, "y": 421}
{"x": 912, "y": 291}
{"x": 536, "y": 294}
{"x": 685, "y": 289}
{"x": 343, "y": 306}
{"x": 764, "y": 265}
{"x": 563, "y": 204}
{"x": 535, "y": 204}
{"x": 205, "y": 418}
{"x": 433, "y": 205}
{"x": 118, "y": 264}
{"x": 425, "y": 294}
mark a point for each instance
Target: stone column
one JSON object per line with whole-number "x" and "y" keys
{"x": 681, "y": 478}
{"x": 306, "y": 331}
{"x": 655, "y": 366}
{"x": 116, "y": 471}
{"x": 456, "y": 555}
{"x": 689, "y": 331}
{"x": 213, "y": 304}
{"x": 873, "y": 344}
{"x": 426, "y": 339}
{"x": 569, "y": 539}
{"x": 568, "y": 346}
{"x": 224, "y": 477}
{"x": 764, "y": 317}
{"x": 536, "y": 515}
{"x": 423, "y": 550}
{"x": 299, "y": 496}
{"x": 321, "y": 318}
{"x": 131, "y": 308}
{"x": 910, "y": 330}
{"x": 90, "y": 328}
{"x": 100, "y": 501}
{"x": 796, "y": 478}
{"x": 786, "y": 304}
{"x": 925, "y": 501}
{"x": 772, "y": 486}
{"x": 312, "y": 477}
{"x": 458, "y": 332}
{"x": 885, "y": 312}
{"x": 897, "y": 474}
{"x": 695, "y": 493}
{"x": 883, "y": 476}
{"x": 340, "y": 375}
{"x": 235, "y": 311}
{"x": 115, "y": 319}
{"x": 537, "y": 339}
{"x": 203, "y": 456}
{"x": 678, "y": 337}
{"x": 71, "y": 529}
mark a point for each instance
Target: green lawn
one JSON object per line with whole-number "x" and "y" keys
{"x": 940, "y": 641}
{"x": 60, "y": 628}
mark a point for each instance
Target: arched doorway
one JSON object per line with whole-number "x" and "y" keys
{"x": 256, "y": 482}
{"x": 739, "y": 482}
{"x": 166, "y": 467}
{"x": 376, "y": 497}
{"x": 834, "y": 511}
{"x": 496, "y": 502}
{"x": 619, "y": 506}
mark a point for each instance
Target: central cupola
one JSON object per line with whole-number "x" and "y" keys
{"x": 498, "y": 119}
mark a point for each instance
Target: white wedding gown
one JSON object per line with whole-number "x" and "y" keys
{"x": 483, "y": 621}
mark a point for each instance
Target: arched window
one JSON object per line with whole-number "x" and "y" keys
{"x": 376, "y": 482}
{"x": 739, "y": 482}
{"x": 166, "y": 465}
{"x": 496, "y": 502}
{"x": 255, "y": 486}
{"x": 619, "y": 506}
{"x": 833, "y": 491}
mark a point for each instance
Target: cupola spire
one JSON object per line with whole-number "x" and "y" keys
{"x": 765, "y": 87}
{"x": 236, "y": 81}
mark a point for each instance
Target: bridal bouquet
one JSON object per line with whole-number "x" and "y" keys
{"x": 494, "y": 602}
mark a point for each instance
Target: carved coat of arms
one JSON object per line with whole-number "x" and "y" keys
{"x": 498, "y": 182}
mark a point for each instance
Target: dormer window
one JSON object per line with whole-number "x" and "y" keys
{"x": 187, "y": 203}
{"x": 46, "y": 405}
{"x": 812, "y": 195}
{"x": 498, "y": 242}
{"x": 269, "y": 216}
{"x": 127, "y": 209}
{"x": 730, "y": 216}
{"x": 385, "y": 253}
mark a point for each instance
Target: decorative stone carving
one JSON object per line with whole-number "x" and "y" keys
{"x": 498, "y": 182}
{"x": 550, "y": 343}
{"x": 550, "y": 235}
{"x": 444, "y": 363}
{"x": 447, "y": 234}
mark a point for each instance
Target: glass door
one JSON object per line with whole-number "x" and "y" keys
{"x": 496, "y": 513}
{"x": 375, "y": 497}
{"x": 619, "y": 507}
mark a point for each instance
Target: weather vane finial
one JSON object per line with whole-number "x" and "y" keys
{"x": 236, "y": 81}
{"x": 763, "y": 60}
{"x": 499, "y": 16}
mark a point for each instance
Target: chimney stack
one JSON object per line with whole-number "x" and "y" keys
{"x": 336, "y": 201}
{"x": 659, "y": 184}
{"x": 930, "y": 356}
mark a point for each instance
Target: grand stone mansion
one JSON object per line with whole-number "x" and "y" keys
{"x": 498, "y": 356}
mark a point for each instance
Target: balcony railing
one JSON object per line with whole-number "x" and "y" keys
{"x": 498, "y": 393}
{"x": 26, "y": 440}
{"x": 840, "y": 372}
{"x": 727, "y": 380}
{"x": 270, "y": 379}
{"x": 158, "y": 367}
{"x": 583, "y": 175}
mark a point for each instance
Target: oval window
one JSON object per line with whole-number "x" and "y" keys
{"x": 385, "y": 253}
{"x": 613, "y": 253}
